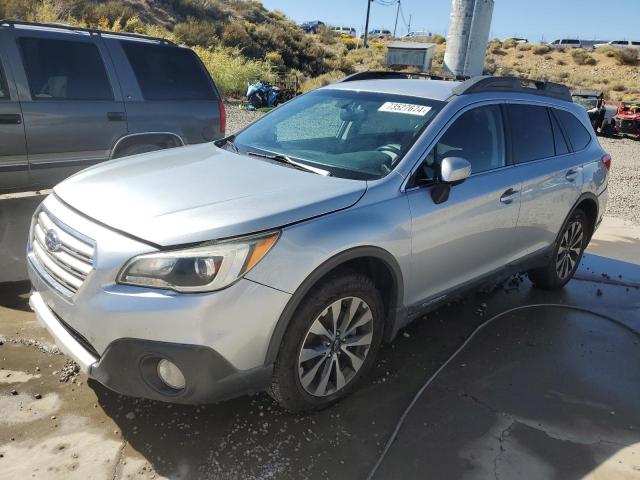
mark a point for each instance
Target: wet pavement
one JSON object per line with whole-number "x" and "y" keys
{"x": 540, "y": 393}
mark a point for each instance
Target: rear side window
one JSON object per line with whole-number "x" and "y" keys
{"x": 4, "y": 92}
{"x": 64, "y": 70}
{"x": 168, "y": 73}
{"x": 579, "y": 136}
{"x": 531, "y": 131}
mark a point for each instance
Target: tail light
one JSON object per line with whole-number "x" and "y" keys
{"x": 223, "y": 117}
{"x": 606, "y": 159}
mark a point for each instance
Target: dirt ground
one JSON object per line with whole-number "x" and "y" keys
{"x": 78, "y": 429}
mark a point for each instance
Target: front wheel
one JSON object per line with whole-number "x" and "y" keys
{"x": 330, "y": 345}
{"x": 567, "y": 254}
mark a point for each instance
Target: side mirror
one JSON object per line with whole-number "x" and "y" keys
{"x": 453, "y": 170}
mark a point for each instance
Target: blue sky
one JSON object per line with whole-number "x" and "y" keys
{"x": 533, "y": 19}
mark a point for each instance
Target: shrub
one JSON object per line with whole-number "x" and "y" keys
{"x": 231, "y": 70}
{"x": 561, "y": 62}
{"x": 607, "y": 51}
{"x": 349, "y": 43}
{"x": 520, "y": 55}
{"x": 626, "y": 56}
{"x": 541, "y": 49}
{"x": 274, "y": 58}
{"x": 438, "y": 39}
{"x": 525, "y": 47}
{"x": 581, "y": 57}
{"x": 196, "y": 32}
{"x": 326, "y": 35}
{"x": 509, "y": 43}
{"x": 367, "y": 58}
{"x": 498, "y": 51}
{"x": 321, "y": 80}
{"x": 618, "y": 87}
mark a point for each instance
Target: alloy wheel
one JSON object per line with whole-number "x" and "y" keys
{"x": 335, "y": 346}
{"x": 569, "y": 250}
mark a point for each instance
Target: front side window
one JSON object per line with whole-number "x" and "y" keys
{"x": 531, "y": 132}
{"x": 360, "y": 135}
{"x": 64, "y": 70}
{"x": 168, "y": 73}
{"x": 578, "y": 135}
{"x": 477, "y": 136}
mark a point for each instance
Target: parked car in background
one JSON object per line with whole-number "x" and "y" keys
{"x": 378, "y": 33}
{"x": 517, "y": 40}
{"x": 342, "y": 30}
{"x": 279, "y": 258}
{"x": 418, "y": 35}
{"x": 311, "y": 27}
{"x": 593, "y": 103}
{"x": 566, "y": 43}
{"x": 619, "y": 44}
{"x": 73, "y": 97}
{"x": 627, "y": 120}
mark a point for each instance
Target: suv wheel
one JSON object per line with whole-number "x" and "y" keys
{"x": 137, "y": 149}
{"x": 566, "y": 254}
{"x": 331, "y": 343}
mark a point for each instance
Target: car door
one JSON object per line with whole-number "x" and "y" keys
{"x": 470, "y": 235}
{"x": 14, "y": 167}
{"x": 72, "y": 107}
{"x": 551, "y": 175}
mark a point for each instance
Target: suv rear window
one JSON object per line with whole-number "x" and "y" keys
{"x": 168, "y": 73}
{"x": 64, "y": 70}
{"x": 578, "y": 135}
{"x": 531, "y": 132}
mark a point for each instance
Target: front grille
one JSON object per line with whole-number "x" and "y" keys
{"x": 68, "y": 260}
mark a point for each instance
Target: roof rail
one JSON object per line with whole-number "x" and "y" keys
{"x": 390, "y": 74}
{"x": 513, "y": 84}
{"x": 72, "y": 28}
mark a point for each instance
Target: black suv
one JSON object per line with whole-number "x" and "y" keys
{"x": 71, "y": 97}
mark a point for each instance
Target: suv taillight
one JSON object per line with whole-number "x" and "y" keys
{"x": 223, "y": 117}
{"x": 606, "y": 159}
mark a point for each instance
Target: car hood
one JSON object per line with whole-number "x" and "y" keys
{"x": 200, "y": 193}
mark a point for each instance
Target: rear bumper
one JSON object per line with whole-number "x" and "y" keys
{"x": 129, "y": 365}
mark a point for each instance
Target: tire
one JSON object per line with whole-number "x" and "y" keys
{"x": 333, "y": 367}
{"x": 567, "y": 254}
{"x": 137, "y": 149}
{"x": 606, "y": 129}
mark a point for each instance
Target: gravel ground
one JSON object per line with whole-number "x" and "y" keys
{"x": 624, "y": 185}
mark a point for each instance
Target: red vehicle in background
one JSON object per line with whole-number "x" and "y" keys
{"x": 627, "y": 119}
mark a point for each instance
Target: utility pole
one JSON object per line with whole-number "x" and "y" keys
{"x": 395, "y": 26}
{"x": 366, "y": 24}
{"x": 409, "y": 26}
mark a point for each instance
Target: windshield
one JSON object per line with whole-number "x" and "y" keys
{"x": 586, "y": 102}
{"x": 358, "y": 135}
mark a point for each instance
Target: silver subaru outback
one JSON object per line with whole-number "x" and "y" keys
{"x": 281, "y": 257}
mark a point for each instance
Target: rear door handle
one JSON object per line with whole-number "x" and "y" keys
{"x": 508, "y": 196}
{"x": 571, "y": 174}
{"x": 10, "y": 119}
{"x": 116, "y": 116}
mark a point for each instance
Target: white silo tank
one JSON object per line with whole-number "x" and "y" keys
{"x": 469, "y": 26}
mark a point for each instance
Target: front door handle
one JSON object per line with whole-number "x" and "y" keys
{"x": 571, "y": 174}
{"x": 116, "y": 116}
{"x": 508, "y": 196}
{"x": 10, "y": 119}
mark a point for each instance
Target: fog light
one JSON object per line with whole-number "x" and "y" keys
{"x": 171, "y": 375}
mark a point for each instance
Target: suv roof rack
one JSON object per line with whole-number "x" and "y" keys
{"x": 390, "y": 74}
{"x": 513, "y": 84}
{"x": 93, "y": 31}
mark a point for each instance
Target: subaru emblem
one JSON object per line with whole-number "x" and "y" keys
{"x": 52, "y": 241}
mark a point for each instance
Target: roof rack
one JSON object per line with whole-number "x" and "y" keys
{"x": 393, "y": 75}
{"x": 513, "y": 84}
{"x": 72, "y": 28}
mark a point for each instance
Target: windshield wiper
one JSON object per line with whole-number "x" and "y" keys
{"x": 278, "y": 157}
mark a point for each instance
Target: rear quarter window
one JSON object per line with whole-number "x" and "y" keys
{"x": 531, "y": 133}
{"x": 168, "y": 73}
{"x": 579, "y": 136}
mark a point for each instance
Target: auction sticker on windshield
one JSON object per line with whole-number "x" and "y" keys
{"x": 407, "y": 108}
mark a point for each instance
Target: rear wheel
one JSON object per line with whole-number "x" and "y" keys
{"x": 330, "y": 345}
{"x": 606, "y": 129}
{"x": 137, "y": 149}
{"x": 566, "y": 256}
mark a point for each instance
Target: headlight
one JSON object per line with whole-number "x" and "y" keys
{"x": 199, "y": 269}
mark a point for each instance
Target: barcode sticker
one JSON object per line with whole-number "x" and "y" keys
{"x": 406, "y": 108}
